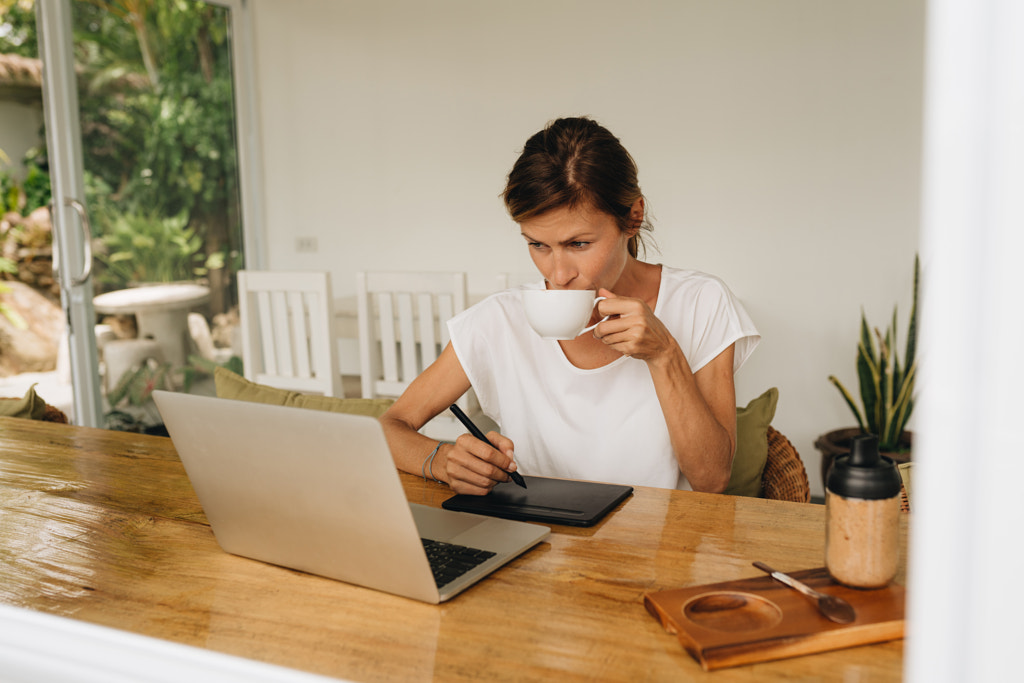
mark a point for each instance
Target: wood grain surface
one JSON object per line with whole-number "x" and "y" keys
{"x": 104, "y": 527}
{"x": 759, "y": 619}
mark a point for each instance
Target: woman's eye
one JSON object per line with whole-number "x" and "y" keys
{"x": 578, "y": 245}
{"x": 535, "y": 245}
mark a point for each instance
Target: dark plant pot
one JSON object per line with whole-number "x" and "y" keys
{"x": 156, "y": 430}
{"x": 837, "y": 443}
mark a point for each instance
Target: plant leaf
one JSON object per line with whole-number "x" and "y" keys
{"x": 902, "y": 408}
{"x": 868, "y": 376}
{"x": 849, "y": 400}
{"x": 897, "y": 374}
{"x": 124, "y": 385}
{"x": 909, "y": 356}
{"x": 884, "y": 380}
{"x": 16, "y": 319}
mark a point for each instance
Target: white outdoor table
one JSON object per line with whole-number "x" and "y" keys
{"x": 161, "y": 311}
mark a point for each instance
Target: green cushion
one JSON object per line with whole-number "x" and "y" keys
{"x": 234, "y": 386}
{"x": 752, "y": 444}
{"x": 30, "y": 407}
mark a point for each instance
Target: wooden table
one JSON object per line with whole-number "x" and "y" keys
{"x": 104, "y": 527}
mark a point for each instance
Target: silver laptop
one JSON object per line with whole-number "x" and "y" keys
{"x": 318, "y": 492}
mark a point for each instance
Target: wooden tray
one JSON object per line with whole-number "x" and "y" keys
{"x": 759, "y": 619}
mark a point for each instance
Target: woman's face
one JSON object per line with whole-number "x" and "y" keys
{"x": 580, "y": 248}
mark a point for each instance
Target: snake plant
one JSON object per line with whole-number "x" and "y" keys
{"x": 886, "y": 384}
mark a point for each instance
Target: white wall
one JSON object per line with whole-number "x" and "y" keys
{"x": 778, "y": 144}
{"x": 22, "y": 124}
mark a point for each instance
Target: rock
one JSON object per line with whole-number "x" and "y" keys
{"x": 226, "y": 328}
{"x": 32, "y": 347}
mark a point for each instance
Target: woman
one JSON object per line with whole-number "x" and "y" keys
{"x": 646, "y": 399}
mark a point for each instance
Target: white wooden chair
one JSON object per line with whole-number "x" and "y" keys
{"x": 403, "y": 329}
{"x": 288, "y": 331}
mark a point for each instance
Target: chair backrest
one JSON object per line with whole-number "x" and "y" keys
{"x": 784, "y": 476}
{"x": 287, "y": 327}
{"x": 402, "y": 325}
{"x": 904, "y": 469}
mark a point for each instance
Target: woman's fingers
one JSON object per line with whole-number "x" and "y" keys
{"x": 504, "y": 444}
{"x": 638, "y": 334}
{"x": 474, "y": 467}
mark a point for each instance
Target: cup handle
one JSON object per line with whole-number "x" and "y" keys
{"x": 588, "y": 329}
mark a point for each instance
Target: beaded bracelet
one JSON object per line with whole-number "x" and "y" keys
{"x": 428, "y": 464}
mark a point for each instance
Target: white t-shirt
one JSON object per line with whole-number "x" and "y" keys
{"x": 603, "y": 424}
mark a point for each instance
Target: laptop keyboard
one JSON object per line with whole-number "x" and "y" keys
{"x": 450, "y": 561}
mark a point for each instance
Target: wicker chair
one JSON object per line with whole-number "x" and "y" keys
{"x": 784, "y": 476}
{"x": 53, "y": 414}
{"x": 904, "y": 469}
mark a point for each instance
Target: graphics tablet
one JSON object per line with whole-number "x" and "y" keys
{"x": 555, "y": 501}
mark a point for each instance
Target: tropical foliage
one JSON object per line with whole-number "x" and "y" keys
{"x": 131, "y": 400}
{"x": 148, "y": 248}
{"x": 886, "y": 383}
{"x": 8, "y": 312}
{"x": 26, "y": 195}
{"x": 157, "y": 116}
{"x": 18, "y": 198}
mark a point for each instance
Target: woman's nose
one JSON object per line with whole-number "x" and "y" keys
{"x": 562, "y": 272}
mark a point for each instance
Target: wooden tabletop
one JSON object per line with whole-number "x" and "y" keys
{"x": 104, "y": 527}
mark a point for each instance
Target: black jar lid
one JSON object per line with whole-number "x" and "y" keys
{"x": 864, "y": 473}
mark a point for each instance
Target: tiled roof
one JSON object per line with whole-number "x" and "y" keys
{"x": 21, "y": 78}
{"x": 18, "y": 70}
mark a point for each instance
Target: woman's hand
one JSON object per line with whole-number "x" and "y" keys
{"x": 468, "y": 466}
{"x": 472, "y": 466}
{"x": 633, "y": 329}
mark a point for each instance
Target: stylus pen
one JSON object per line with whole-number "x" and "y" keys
{"x": 475, "y": 431}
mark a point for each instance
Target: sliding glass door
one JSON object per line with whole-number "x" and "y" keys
{"x": 146, "y": 105}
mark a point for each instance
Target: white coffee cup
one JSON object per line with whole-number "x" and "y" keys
{"x": 560, "y": 313}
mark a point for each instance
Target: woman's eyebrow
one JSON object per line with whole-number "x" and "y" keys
{"x": 584, "y": 237}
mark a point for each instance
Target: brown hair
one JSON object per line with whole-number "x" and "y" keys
{"x": 575, "y": 162}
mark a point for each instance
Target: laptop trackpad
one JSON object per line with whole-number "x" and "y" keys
{"x": 505, "y": 537}
{"x": 442, "y": 525}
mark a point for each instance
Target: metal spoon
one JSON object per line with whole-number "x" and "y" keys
{"x": 836, "y": 609}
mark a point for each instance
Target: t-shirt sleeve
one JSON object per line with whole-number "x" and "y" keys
{"x": 470, "y": 343}
{"x": 712, "y": 320}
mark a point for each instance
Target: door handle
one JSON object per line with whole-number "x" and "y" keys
{"x": 86, "y": 245}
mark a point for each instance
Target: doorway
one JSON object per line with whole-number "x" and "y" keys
{"x": 148, "y": 212}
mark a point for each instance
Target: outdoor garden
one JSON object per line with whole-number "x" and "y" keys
{"x": 160, "y": 170}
